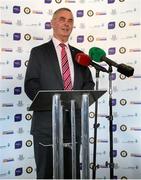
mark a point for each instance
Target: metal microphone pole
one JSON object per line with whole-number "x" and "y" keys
{"x": 110, "y": 117}
{"x": 95, "y": 129}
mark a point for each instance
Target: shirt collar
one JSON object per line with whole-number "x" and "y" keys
{"x": 57, "y": 42}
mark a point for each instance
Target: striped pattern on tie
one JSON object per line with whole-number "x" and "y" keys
{"x": 65, "y": 69}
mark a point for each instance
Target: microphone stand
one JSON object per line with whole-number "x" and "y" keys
{"x": 96, "y": 125}
{"x": 110, "y": 118}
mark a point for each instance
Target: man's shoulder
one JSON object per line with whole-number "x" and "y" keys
{"x": 44, "y": 45}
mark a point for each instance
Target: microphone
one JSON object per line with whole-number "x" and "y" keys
{"x": 99, "y": 55}
{"x": 84, "y": 60}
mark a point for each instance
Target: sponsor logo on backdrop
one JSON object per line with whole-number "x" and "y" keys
{"x": 17, "y": 117}
{"x": 17, "y": 63}
{"x": 5, "y": 118}
{"x": 123, "y": 153}
{"x": 80, "y": 13}
{"x": 37, "y": 12}
{"x": 122, "y": 50}
{"x": 122, "y": 24}
{"x": 123, "y": 102}
{"x": 28, "y": 116}
{"x": 123, "y": 127}
{"x": 111, "y": 25}
{"x": 90, "y": 38}
{"x": 112, "y": 51}
{"x": 29, "y": 170}
{"x": 90, "y": 13}
{"x": 16, "y": 9}
{"x": 7, "y": 160}
{"x": 8, "y": 22}
{"x": 18, "y": 144}
{"x": 28, "y": 143}
{"x": 6, "y": 49}
{"x": 48, "y": 25}
{"x": 91, "y": 114}
{"x": 58, "y": 1}
{"x": 114, "y": 153}
{"x": 27, "y": 10}
{"x": 114, "y": 127}
{"x": 114, "y": 102}
{"x": 8, "y": 132}
{"x": 48, "y": 1}
{"x": 16, "y": 36}
{"x": 17, "y": 90}
{"x": 18, "y": 171}
{"x": 122, "y": 77}
{"x": 80, "y": 39}
{"x": 111, "y": 1}
{"x": 27, "y": 37}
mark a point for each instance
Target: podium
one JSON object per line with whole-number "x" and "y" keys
{"x": 57, "y": 101}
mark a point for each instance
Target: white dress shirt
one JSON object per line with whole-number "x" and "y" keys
{"x": 58, "y": 51}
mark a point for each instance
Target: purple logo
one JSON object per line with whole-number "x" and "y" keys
{"x": 111, "y": 25}
{"x": 17, "y": 63}
{"x": 114, "y": 127}
{"x": 111, "y": 1}
{"x": 17, "y": 90}
{"x": 80, "y": 39}
{"x": 18, "y": 144}
{"x": 47, "y": 25}
{"x": 48, "y": 1}
{"x": 16, "y": 9}
{"x": 113, "y": 76}
{"x": 80, "y": 13}
{"x": 114, "y": 101}
{"x": 17, "y": 117}
{"x": 18, "y": 171}
{"x": 16, "y": 36}
{"x": 114, "y": 153}
{"x": 112, "y": 51}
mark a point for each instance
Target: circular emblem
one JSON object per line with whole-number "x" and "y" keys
{"x": 122, "y": 24}
{"x": 124, "y": 177}
{"x": 27, "y": 10}
{"x": 28, "y": 143}
{"x": 90, "y": 38}
{"x": 27, "y": 37}
{"x": 29, "y": 169}
{"x": 91, "y": 114}
{"x": 58, "y": 1}
{"x": 123, "y": 102}
{"x": 123, "y": 127}
{"x": 90, "y": 13}
{"x": 91, "y": 165}
{"x": 122, "y": 50}
{"x": 26, "y": 63}
{"x": 122, "y": 77}
{"x": 121, "y": 0}
{"x": 91, "y": 140}
{"x": 28, "y": 116}
{"x": 123, "y": 153}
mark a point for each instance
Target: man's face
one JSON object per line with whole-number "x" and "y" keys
{"x": 62, "y": 24}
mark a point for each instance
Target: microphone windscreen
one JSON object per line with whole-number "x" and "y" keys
{"x": 96, "y": 54}
{"x": 82, "y": 59}
{"x": 126, "y": 70}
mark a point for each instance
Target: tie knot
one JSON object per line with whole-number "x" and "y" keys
{"x": 62, "y": 45}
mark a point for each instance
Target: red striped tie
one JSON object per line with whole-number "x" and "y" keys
{"x": 65, "y": 69}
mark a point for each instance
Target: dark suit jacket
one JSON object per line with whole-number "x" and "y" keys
{"x": 43, "y": 73}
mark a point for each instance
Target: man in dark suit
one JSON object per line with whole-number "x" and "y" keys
{"x": 44, "y": 72}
